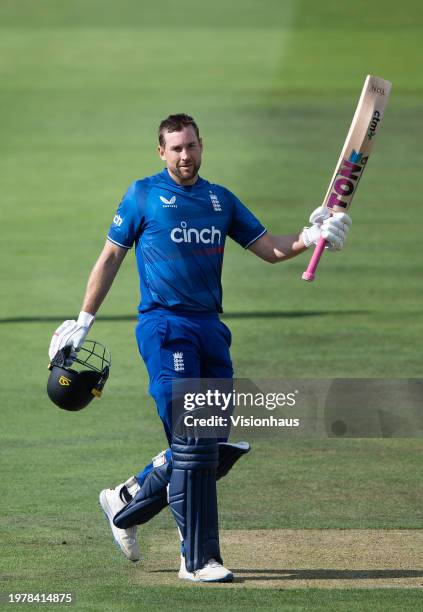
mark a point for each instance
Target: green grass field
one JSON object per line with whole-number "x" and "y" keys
{"x": 273, "y": 86}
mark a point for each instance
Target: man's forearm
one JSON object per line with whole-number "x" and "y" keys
{"x": 285, "y": 247}
{"x": 274, "y": 248}
{"x": 101, "y": 278}
{"x": 73, "y": 333}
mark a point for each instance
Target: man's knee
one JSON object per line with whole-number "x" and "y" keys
{"x": 152, "y": 495}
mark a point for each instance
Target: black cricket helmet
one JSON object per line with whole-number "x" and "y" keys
{"x": 72, "y": 387}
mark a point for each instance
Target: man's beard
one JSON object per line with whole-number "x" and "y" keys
{"x": 193, "y": 170}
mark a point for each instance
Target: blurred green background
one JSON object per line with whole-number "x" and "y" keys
{"x": 273, "y": 86}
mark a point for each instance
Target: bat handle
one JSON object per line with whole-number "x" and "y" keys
{"x": 309, "y": 274}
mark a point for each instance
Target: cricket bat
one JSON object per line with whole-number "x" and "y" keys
{"x": 354, "y": 155}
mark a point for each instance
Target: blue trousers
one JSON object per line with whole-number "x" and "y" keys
{"x": 180, "y": 346}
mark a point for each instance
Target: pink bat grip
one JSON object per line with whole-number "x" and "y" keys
{"x": 308, "y": 275}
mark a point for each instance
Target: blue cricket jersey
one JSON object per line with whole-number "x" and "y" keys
{"x": 179, "y": 234}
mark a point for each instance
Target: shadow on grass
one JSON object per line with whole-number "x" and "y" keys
{"x": 272, "y": 314}
{"x": 315, "y": 574}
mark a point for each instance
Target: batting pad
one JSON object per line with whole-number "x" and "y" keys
{"x": 193, "y": 499}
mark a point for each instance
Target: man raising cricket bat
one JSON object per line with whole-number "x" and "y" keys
{"x": 354, "y": 156}
{"x": 178, "y": 223}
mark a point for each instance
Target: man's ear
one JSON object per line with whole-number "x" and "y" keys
{"x": 161, "y": 152}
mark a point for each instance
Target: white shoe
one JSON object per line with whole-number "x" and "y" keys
{"x": 211, "y": 572}
{"x": 111, "y": 504}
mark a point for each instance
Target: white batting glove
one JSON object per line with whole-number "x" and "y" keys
{"x": 333, "y": 228}
{"x": 71, "y": 333}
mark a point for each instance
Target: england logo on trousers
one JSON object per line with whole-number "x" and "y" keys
{"x": 178, "y": 362}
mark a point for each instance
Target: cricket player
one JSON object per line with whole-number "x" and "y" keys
{"x": 179, "y": 223}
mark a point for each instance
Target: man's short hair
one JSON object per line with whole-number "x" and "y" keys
{"x": 176, "y": 123}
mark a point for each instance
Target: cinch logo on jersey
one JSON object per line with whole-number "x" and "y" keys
{"x": 207, "y": 235}
{"x": 346, "y": 180}
{"x": 65, "y": 382}
{"x": 117, "y": 220}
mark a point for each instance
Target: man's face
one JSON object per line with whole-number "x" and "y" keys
{"x": 182, "y": 154}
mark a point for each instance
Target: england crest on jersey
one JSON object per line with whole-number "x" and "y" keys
{"x": 215, "y": 202}
{"x": 178, "y": 361}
